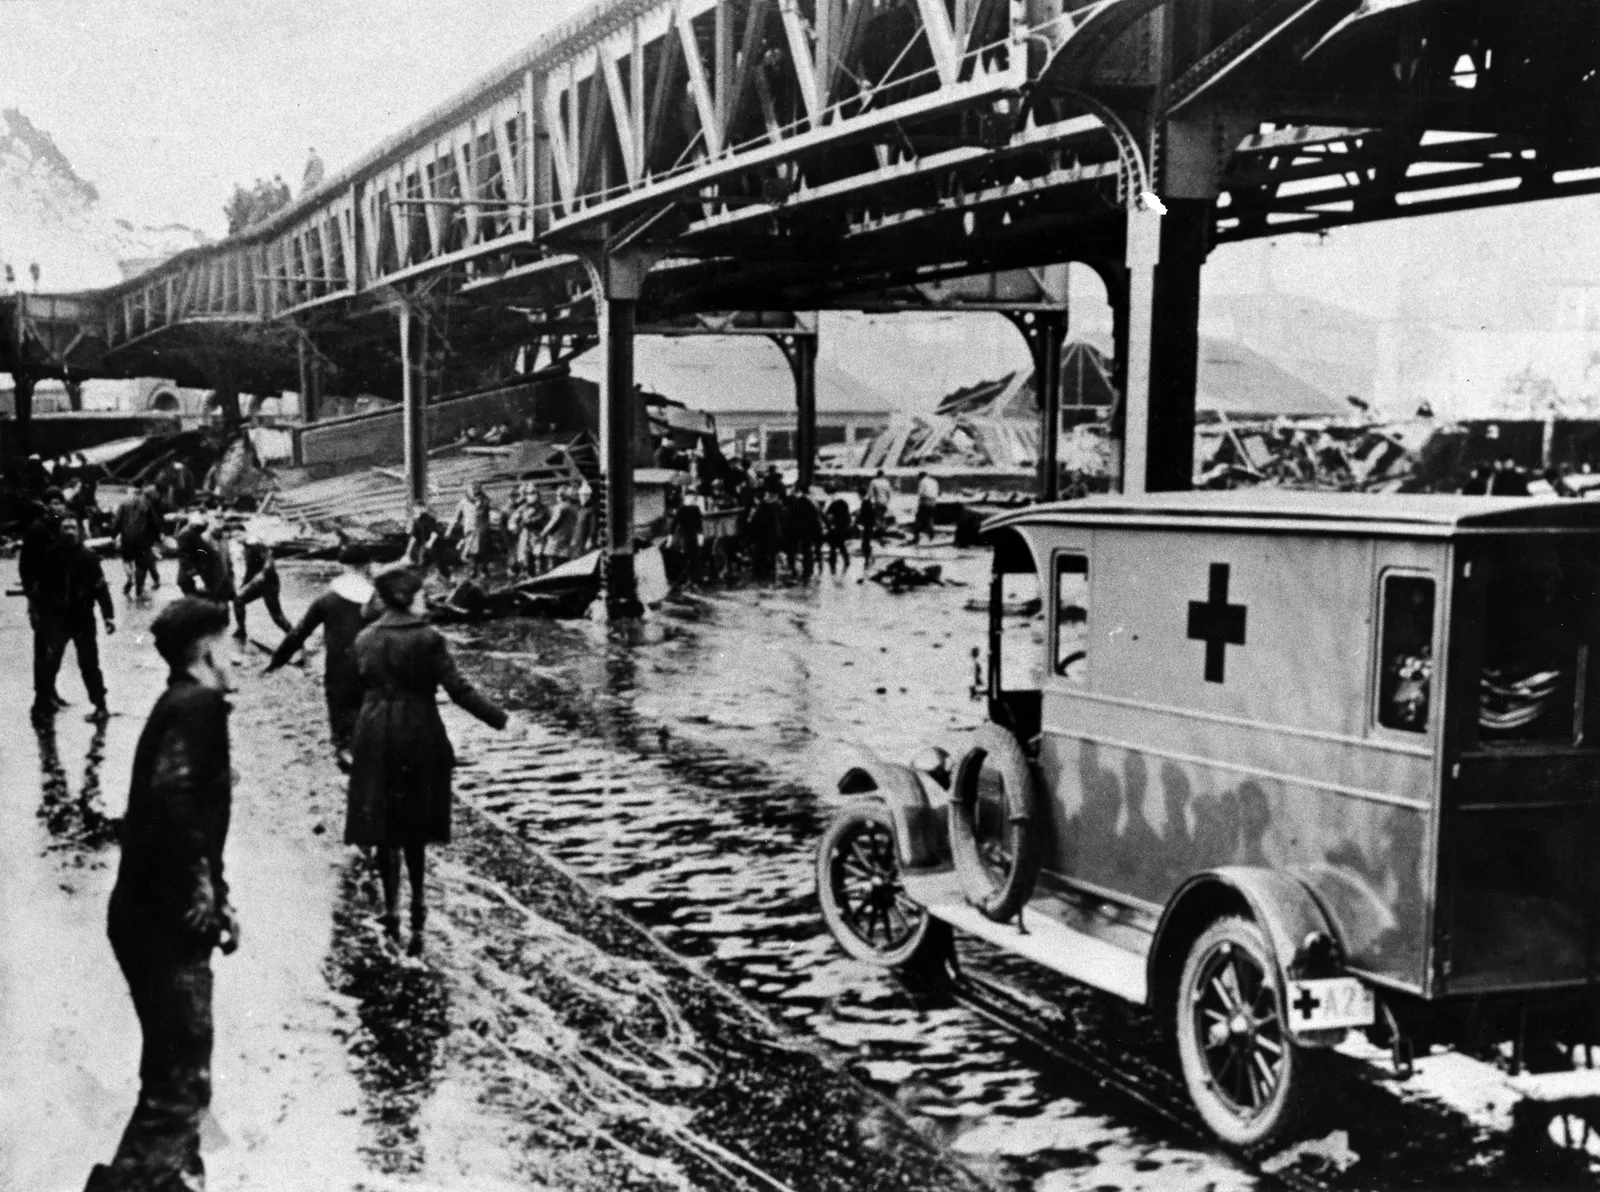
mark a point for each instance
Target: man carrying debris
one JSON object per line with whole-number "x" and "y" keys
{"x": 342, "y": 612}
{"x": 202, "y": 563}
{"x": 137, "y": 531}
{"x": 169, "y": 907}
{"x": 260, "y": 583}
{"x": 68, "y": 589}
{"x": 927, "y": 504}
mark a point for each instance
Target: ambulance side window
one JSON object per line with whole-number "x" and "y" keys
{"x": 1405, "y": 653}
{"x": 1072, "y": 618}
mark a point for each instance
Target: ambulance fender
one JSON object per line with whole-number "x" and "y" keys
{"x": 1280, "y": 903}
{"x": 919, "y": 831}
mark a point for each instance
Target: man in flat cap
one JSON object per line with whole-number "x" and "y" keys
{"x": 169, "y": 907}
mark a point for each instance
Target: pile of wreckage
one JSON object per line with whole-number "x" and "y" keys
{"x": 972, "y": 442}
{"x": 1339, "y": 454}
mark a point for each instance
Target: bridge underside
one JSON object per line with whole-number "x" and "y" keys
{"x": 656, "y": 160}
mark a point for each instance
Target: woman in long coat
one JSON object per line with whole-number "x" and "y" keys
{"x": 400, "y": 794}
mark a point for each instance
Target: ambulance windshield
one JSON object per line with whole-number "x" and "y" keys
{"x": 1540, "y": 618}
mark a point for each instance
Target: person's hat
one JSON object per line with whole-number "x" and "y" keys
{"x": 54, "y": 494}
{"x": 398, "y": 586}
{"x": 184, "y": 622}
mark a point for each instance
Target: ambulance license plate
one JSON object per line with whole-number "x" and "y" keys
{"x": 1330, "y": 1004}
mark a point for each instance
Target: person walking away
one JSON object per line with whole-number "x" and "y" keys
{"x": 764, "y": 531}
{"x": 400, "y": 783}
{"x": 260, "y": 582}
{"x": 688, "y": 524}
{"x": 867, "y": 517}
{"x": 805, "y": 532}
{"x": 348, "y": 605}
{"x": 169, "y": 907}
{"x": 927, "y": 504}
{"x": 837, "y": 522}
{"x": 68, "y": 591}
{"x": 471, "y": 524}
{"x": 202, "y": 563}
{"x": 136, "y": 530}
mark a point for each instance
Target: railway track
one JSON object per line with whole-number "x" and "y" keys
{"x": 1019, "y": 1016}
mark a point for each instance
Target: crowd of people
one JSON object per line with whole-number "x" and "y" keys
{"x": 740, "y": 521}
{"x": 528, "y": 536}
{"x": 170, "y": 907}
{"x": 773, "y": 528}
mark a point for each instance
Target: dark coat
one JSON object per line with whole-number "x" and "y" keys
{"x": 401, "y": 758}
{"x": 179, "y": 804}
{"x": 341, "y": 620}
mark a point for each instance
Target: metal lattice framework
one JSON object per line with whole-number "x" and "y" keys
{"x": 796, "y": 154}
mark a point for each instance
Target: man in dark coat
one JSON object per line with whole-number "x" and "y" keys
{"x": 342, "y": 611}
{"x": 400, "y": 790}
{"x": 260, "y": 582}
{"x": 137, "y": 530}
{"x": 169, "y": 907}
{"x": 40, "y": 542}
{"x": 804, "y": 532}
{"x": 63, "y": 603}
{"x": 763, "y": 532}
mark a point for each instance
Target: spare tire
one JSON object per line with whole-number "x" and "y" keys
{"x": 995, "y": 842}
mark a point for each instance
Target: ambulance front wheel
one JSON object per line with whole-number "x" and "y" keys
{"x": 863, "y": 901}
{"x": 1246, "y": 1077}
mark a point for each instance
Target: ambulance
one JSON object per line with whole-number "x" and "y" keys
{"x": 1276, "y": 765}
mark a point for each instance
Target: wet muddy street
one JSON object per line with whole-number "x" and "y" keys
{"x": 684, "y": 767}
{"x": 688, "y": 765}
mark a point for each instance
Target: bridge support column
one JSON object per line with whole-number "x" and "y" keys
{"x": 618, "y": 281}
{"x": 800, "y": 349}
{"x": 1046, "y": 333}
{"x": 413, "y": 407}
{"x": 1160, "y": 343}
{"x": 23, "y": 408}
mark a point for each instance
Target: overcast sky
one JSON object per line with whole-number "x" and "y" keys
{"x": 165, "y": 104}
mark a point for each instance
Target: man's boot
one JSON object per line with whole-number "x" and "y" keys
{"x": 419, "y": 917}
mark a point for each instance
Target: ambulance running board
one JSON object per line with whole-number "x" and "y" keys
{"x": 1044, "y": 940}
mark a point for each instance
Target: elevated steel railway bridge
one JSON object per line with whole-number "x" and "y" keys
{"x": 673, "y": 165}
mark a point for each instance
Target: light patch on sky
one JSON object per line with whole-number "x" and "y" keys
{"x": 165, "y": 104}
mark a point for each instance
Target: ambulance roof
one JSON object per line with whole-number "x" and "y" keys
{"x": 1257, "y": 510}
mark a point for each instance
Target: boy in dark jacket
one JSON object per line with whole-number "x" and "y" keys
{"x": 169, "y": 907}
{"x": 260, "y": 582}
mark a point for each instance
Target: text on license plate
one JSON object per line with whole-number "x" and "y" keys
{"x": 1330, "y": 1004}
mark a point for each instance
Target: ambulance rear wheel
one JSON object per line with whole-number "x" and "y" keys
{"x": 1245, "y": 1075}
{"x": 863, "y": 901}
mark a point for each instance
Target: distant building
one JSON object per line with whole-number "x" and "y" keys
{"x": 744, "y": 382}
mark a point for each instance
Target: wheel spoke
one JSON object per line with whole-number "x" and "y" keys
{"x": 1229, "y": 1003}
